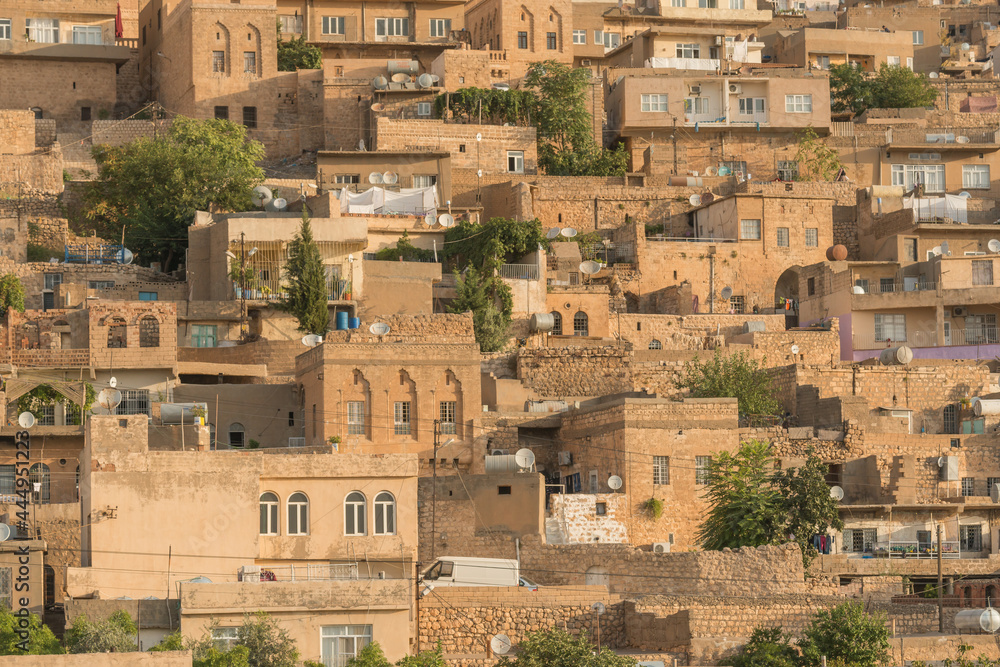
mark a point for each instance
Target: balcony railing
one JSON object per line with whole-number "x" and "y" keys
{"x": 304, "y": 572}
{"x": 759, "y": 117}
{"x": 886, "y": 288}
{"x": 984, "y": 335}
{"x": 915, "y": 549}
{"x": 519, "y": 271}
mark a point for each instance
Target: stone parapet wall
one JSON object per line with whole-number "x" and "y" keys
{"x": 119, "y": 132}
{"x": 45, "y": 132}
{"x": 460, "y": 140}
{"x": 17, "y": 131}
{"x": 277, "y": 355}
{"x": 40, "y": 171}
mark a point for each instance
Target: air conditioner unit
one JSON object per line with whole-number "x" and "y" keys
{"x": 661, "y": 547}
{"x": 959, "y": 311}
{"x": 735, "y": 88}
{"x": 297, "y": 441}
{"x": 499, "y": 452}
{"x": 381, "y": 574}
{"x": 719, "y": 39}
{"x": 250, "y": 574}
{"x": 695, "y": 90}
{"x": 565, "y": 458}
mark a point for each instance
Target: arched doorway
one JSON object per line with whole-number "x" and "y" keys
{"x": 597, "y": 576}
{"x": 786, "y": 295}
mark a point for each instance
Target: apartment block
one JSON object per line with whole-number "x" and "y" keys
{"x": 866, "y": 49}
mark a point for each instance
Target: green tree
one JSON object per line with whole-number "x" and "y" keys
{"x": 306, "y": 282}
{"x": 816, "y": 160}
{"x": 849, "y": 89}
{"x": 846, "y": 635}
{"x": 296, "y": 54}
{"x": 809, "y": 507}
{"x": 11, "y": 294}
{"x": 115, "y": 634}
{"x": 891, "y": 87}
{"x": 172, "y": 642}
{"x": 41, "y": 640}
{"x": 731, "y": 376}
{"x": 370, "y": 656}
{"x": 404, "y": 250}
{"x": 149, "y": 189}
{"x": 768, "y": 647}
{"x": 558, "y": 648}
{"x": 268, "y": 645}
{"x": 430, "y": 658}
{"x": 237, "y": 656}
{"x": 480, "y": 293}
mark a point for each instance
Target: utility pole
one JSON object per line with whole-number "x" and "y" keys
{"x": 434, "y": 491}
{"x": 243, "y": 287}
{"x": 940, "y": 591}
{"x": 673, "y": 138}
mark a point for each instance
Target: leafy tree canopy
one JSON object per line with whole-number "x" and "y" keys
{"x": 306, "y": 282}
{"x": 296, "y": 54}
{"x": 11, "y": 294}
{"x": 151, "y": 187}
{"x": 558, "y": 648}
{"x": 491, "y": 303}
{"x": 116, "y": 634}
{"x": 372, "y": 656}
{"x": 732, "y": 376}
{"x": 848, "y": 636}
{"x": 268, "y": 645}
{"x": 41, "y": 640}
{"x": 768, "y": 647}
{"x": 891, "y": 87}
{"x": 816, "y": 160}
{"x": 405, "y": 251}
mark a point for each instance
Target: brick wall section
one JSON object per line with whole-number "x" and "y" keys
{"x": 459, "y": 139}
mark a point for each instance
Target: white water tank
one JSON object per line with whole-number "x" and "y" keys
{"x": 985, "y": 620}
{"x": 542, "y": 322}
{"x": 896, "y": 356}
{"x": 986, "y": 407}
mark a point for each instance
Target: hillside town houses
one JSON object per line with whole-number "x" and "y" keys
{"x": 178, "y": 445}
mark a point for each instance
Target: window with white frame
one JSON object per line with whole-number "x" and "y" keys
{"x": 4, "y": 28}
{"x": 599, "y": 37}
{"x": 812, "y": 237}
{"x": 890, "y": 326}
{"x": 53, "y": 279}
{"x": 342, "y": 643}
{"x": 291, "y": 23}
{"x": 737, "y": 304}
{"x": 224, "y": 639}
{"x": 892, "y": 61}
{"x": 976, "y": 176}
{"x": 788, "y": 170}
{"x": 698, "y": 106}
{"x": 298, "y": 514}
{"x": 354, "y": 513}
{"x": 748, "y": 106}
{"x": 579, "y": 36}
{"x": 392, "y": 27}
{"x": 87, "y": 34}
{"x": 385, "y": 514}
{"x": 355, "y": 418}
{"x": 401, "y": 418}
{"x": 446, "y": 417}
{"x": 708, "y": 4}
{"x": 909, "y": 63}
{"x": 918, "y": 37}
{"x": 423, "y": 108}
{"x": 968, "y": 486}
{"x": 736, "y": 4}
{"x": 782, "y": 233}
{"x": 424, "y": 180}
{"x": 750, "y": 230}
{"x": 677, "y": 3}
{"x": 612, "y": 40}
{"x": 702, "y": 469}
{"x": 909, "y": 175}
{"x": 333, "y": 25}
{"x": 8, "y": 480}
{"x": 515, "y": 162}
{"x": 798, "y": 103}
{"x": 347, "y": 179}
{"x": 440, "y": 27}
{"x": 268, "y": 513}
{"x": 43, "y": 31}
{"x": 661, "y": 470}
{"x": 653, "y": 102}
{"x": 823, "y": 62}
{"x": 688, "y": 50}
{"x": 981, "y": 329}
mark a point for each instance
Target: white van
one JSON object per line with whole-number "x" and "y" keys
{"x": 462, "y": 571}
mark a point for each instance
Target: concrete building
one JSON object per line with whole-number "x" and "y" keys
{"x": 866, "y": 49}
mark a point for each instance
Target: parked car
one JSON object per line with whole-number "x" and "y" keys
{"x": 461, "y": 571}
{"x": 527, "y": 583}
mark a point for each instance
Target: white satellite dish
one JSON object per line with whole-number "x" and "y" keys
{"x": 390, "y": 178}
{"x": 962, "y": 139}
{"x": 568, "y": 232}
{"x": 375, "y": 178}
{"x": 379, "y": 328}
{"x": 430, "y": 219}
{"x": 26, "y": 420}
{"x": 858, "y": 289}
{"x": 552, "y": 233}
{"x": 400, "y": 77}
{"x": 711, "y": 171}
{"x": 727, "y": 292}
{"x": 109, "y": 398}
{"x": 525, "y": 458}
{"x": 479, "y": 173}
{"x": 4, "y": 532}
{"x": 113, "y": 382}
{"x": 994, "y": 245}
{"x": 795, "y": 349}
{"x": 598, "y": 608}
{"x": 944, "y": 248}
{"x": 933, "y": 75}
{"x": 836, "y": 493}
{"x": 965, "y": 195}
{"x": 378, "y": 106}
{"x": 936, "y": 250}
{"x": 479, "y": 136}
{"x": 966, "y": 46}
{"x": 379, "y": 83}
{"x": 126, "y": 256}
{"x": 446, "y": 220}
{"x": 261, "y": 195}
{"x": 694, "y": 200}
{"x": 589, "y": 267}
{"x": 614, "y": 482}
{"x": 425, "y": 81}
{"x": 312, "y": 340}
{"x": 940, "y": 462}
{"x": 500, "y": 644}
{"x": 280, "y": 204}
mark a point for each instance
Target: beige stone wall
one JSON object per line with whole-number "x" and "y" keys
{"x": 119, "y": 132}
{"x": 69, "y": 86}
{"x": 17, "y": 131}
{"x": 165, "y": 659}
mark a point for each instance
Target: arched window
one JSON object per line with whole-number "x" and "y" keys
{"x": 268, "y": 513}
{"x": 385, "y": 514}
{"x": 38, "y": 113}
{"x": 556, "y": 323}
{"x": 298, "y": 514}
{"x": 655, "y": 345}
{"x": 354, "y": 514}
{"x": 117, "y": 333}
{"x": 950, "y": 419}
{"x": 149, "y": 332}
{"x": 39, "y": 474}
{"x": 237, "y": 435}
{"x": 580, "y": 324}
{"x": 597, "y": 576}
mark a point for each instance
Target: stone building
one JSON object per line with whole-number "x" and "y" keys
{"x": 525, "y": 33}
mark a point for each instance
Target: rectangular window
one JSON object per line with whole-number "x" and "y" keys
{"x": 424, "y": 180}
{"x": 811, "y": 286}
{"x": 750, "y": 230}
{"x": 4, "y": 28}
{"x": 522, "y": 40}
{"x": 708, "y": 4}
{"x": 149, "y": 296}
{"x": 909, "y": 63}
{"x": 782, "y": 237}
{"x": 222, "y": 113}
{"x": 976, "y": 176}
{"x": 250, "y": 117}
{"x": 87, "y": 34}
{"x": 918, "y": 37}
{"x": 798, "y": 103}
{"x": 890, "y": 327}
{"x": 53, "y": 279}
{"x": 860, "y": 540}
{"x": 688, "y": 51}
{"x": 702, "y": 469}
{"x": 788, "y": 170}
{"x": 550, "y": 41}
{"x": 250, "y": 62}
{"x": 100, "y": 284}
{"x": 333, "y": 25}
{"x": 347, "y": 179}
{"x": 341, "y": 643}
{"x": 43, "y": 31}
{"x": 219, "y": 61}
{"x": 982, "y": 272}
{"x": 134, "y": 402}
{"x": 699, "y": 106}
{"x": 515, "y": 162}
{"x": 737, "y": 305}
{"x": 910, "y": 249}
{"x": 751, "y": 105}
{"x": 204, "y": 335}
{"x": 291, "y": 23}
{"x": 661, "y": 470}
{"x": 224, "y": 639}
{"x": 980, "y": 329}
{"x": 653, "y": 102}
{"x": 931, "y": 176}
{"x": 968, "y": 486}
{"x": 355, "y": 418}
{"x": 599, "y": 37}
{"x": 440, "y": 27}
{"x": 971, "y": 537}
{"x": 823, "y": 62}
{"x": 47, "y": 415}
{"x": 401, "y": 418}
{"x": 812, "y": 237}
{"x": 447, "y": 417}
{"x": 612, "y": 40}
{"x": 579, "y": 36}
{"x": 7, "y": 480}
{"x": 423, "y": 108}
{"x": 392, "y": 27}
{"x": 736, "y": 4}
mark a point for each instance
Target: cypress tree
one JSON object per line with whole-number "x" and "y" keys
{"x": 306, "y": 288}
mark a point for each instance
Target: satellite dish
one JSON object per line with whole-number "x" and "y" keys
{"x": 724, "y": 171}
{"x": 378, "y": 106}
{"x": 113, "y": 382}
{"x": 375, "y": 178}
{"x": 446, "y": 220}
{"x": 962, "y": 139}
{"x": 795, "y": 349}
{"x": 379, "y": 328}
{"x": 994, "y": 245}
{"x": 944, "y": 248}
{"x": 858, "y": 289}
{"x": 727, "y": 292}
{"x": 4, "y": 532}
{"x": 525, "y": 458}
{"x": 568, "y": 232}
{"x": 479, "y": 136}
{"x": 312, "y": 340}
{"x": 261, "y": 195}
{"x": 379, "y": 83}
{"x": 400, "y": 77}
{"x": 425, "y": 81}
{"x": 707, "y": 198}
{"x": 694, "y": 200}
{"x": 836, "y": 493}
{"x": 711, "y": 171}
{"x": 966, "y": 46}
{"x": 598, "y": 608}
{"x": 390, "y": 178}
{"x": 479, "y": 173}
{"x": 430, "y": 219}
{"x": 615, "y": 482}
{"x": 589, "y": 267}
{"x": 26, "y": 420}
{"x": 279, "y": 204}
{"x": 500, "y": 644}
{"x": 965, "y": 195}
{"x": 126, "y": 256}
{"x": 552, "y": 233}
{"x": 109, "y": 398}
{"x": 435, "y": 78}
{"x": 936, "y": 250}
{"x": 933, "y": 75}
{"x": 940, "y": 462}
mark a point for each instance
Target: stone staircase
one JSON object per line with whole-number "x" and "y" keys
{"x": 76, "y": 155}
{"x": 554, "y": 533}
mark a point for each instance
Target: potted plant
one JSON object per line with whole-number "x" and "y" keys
{"x": 346, "y": 294}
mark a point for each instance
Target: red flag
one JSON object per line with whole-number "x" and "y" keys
{"x": 119, "y": 27}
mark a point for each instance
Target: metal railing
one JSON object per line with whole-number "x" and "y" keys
{"x": 885, "y": 288}
{"x": 306, "y": 572}
{"x": 915, "y": 549}
{"x": 756, "y": 117}
{"x": 519, "y": 271}
{"x": 691, "y": 239}
{"x": 979, "y": 335}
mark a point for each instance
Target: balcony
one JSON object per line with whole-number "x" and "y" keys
{"x": 705, "y": 64}
{"x": 974, "y": 337}
{"x": 895, "y": 549}
{"x": 944, "y": 138}
{"x": 519, "y": 271}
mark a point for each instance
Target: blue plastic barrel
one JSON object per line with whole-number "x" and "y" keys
{"x": 353, "y": 322}
{"x": 342, "y": 320}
